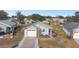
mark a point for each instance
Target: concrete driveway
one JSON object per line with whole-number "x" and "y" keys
{"x": 28, "y": 42}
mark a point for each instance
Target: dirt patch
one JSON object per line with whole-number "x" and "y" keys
{"x": 10, "y": 42}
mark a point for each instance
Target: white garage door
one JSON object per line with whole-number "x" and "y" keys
{"x": 76, "y": 37}
{"x": 31, "y": 34}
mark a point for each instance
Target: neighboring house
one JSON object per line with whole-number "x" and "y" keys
{"x": 7, "y": 26}
{"x": 46, "y": 21}
{"x": 14, "y": 20}
{"x": 72, "y": 29}
{"x": 45, "y": 29}
{"x": 60, "y": 20}
{"x": 37, "y": 29}
{"x": 28, "y": 21}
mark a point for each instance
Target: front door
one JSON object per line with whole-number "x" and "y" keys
{"x": 49, "y": 31}
{"x": 8, "y": 30}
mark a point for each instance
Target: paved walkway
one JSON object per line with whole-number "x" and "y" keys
{"x": 28, "y": 42}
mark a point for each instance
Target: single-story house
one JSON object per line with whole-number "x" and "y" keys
{"x": 37, "y": 29}
{"x": 72, "y": 29}
{"x": 7, "y": 26}
{"x": 15, "y": 20}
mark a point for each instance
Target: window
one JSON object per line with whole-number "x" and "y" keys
{"x": 8, "y": 29}
{"x": 0, "y": 28}
{"x": 43, "y": 30}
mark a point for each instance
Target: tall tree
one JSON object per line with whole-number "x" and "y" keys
{"x": 77, "y": 16}
{"x": 70, "y": 18}
{"x": 60, "y": 16}
{"x": 20, "y": 17}
{"x": 3, "y": 15}
{"x": 77, "y": 13}
{"x": 48, "y": 16}
{"x": 74, "y": 18}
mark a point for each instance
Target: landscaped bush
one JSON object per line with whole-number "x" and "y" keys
{"x": 68, "y": 36}
{"x": 44, "y": 35}
{"x": 54, "y": 34}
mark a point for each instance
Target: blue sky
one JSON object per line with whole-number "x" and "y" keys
{"x": 43, "y": 12}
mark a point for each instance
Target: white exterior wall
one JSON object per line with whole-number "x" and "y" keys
{"x": 3, "y": 27}
{"x": 76, "y": 37}
{"x": 76, "y": 30}
{"x": 46, "y": 30}
{"x": 68, "y": 33}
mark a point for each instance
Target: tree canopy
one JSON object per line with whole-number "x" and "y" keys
{"x": 20, "y": 17}
{"x": 36, "y": 17}
{"x": 70, "y": 18}
{"x": 48, "y": 16}
{"x": 77, "y": 13}
{"x": 74, "y": 18}
{"x": 77, "y": 16}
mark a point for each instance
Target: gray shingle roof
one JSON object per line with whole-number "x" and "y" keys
{"x": 42, "y": 24}
{"x": 70, "y": 26}
{"x": 8, "y": 23}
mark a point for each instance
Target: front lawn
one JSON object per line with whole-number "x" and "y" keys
{"x": 10, "y": 42}
{"x": 60, "y": 41}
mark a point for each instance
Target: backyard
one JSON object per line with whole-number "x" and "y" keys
{"x": 59, "y": 41}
